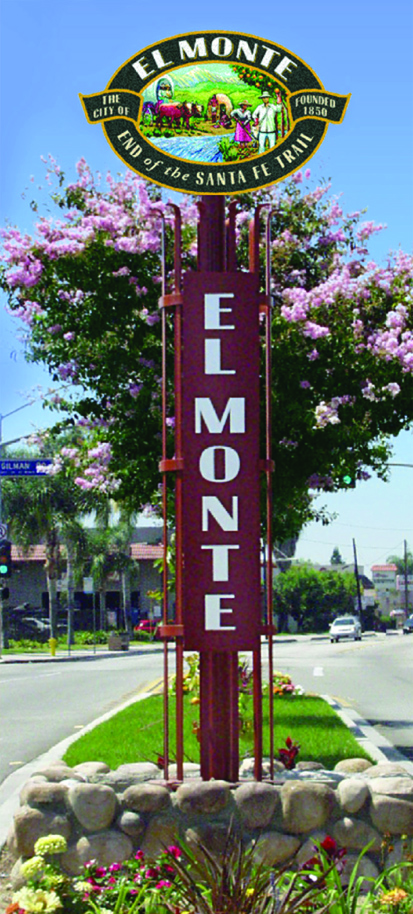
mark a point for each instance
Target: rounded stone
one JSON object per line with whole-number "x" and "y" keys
{"x": 399, "y": 787}
{"x": 274, "y": 848}
{"x": 365, "y": 868}
{"x": 306, "y": 806}
{"x": 31, "y": 824}
{"x": 59, "y": 773}
{"x": 94, "y": 805}
{"x": 257, "y": 804}
{"x": 43, "y": 793}
{"x": 146, "y": 798}
{"x": 247, "y": 768}
{"x": 352, "y": 765}
{"x": 17, "y": 880}
{"x": 309, "y": 848}
{"x": 356, "y": 834}
{"x": 160, "y": 833}
{"x": 391, "y": 815}
{"x": 131, "y": 823}
{"x": 127, "y": 775}
{"x": 89, "y": 769}
{"x": 106, "y": 847}
{"x": 203, "y": 797}
{"x": 213, "y": 837}
{"x": 309, "y": 766}
{"x": 352, "y": 793}
{"x": 384, "y": 770}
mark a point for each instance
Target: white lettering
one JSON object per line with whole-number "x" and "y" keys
{"x": 268, "y": 56}
{"x": 249, "y": 54}
{"x": 213, "y": 611}
{"x": 208, "y": 468}
{"x": 220, "y": 561}
{"x": 211, "y": 505}
{"x": 205, "y": 410}
{"x": 213, "y": 358}
{"x": 199, "y": 49}
{"x": 140, "y": 68}
{"x": 284, "y": 66}
{"x": 222, "y": 47}
{"x": 213, "y": 310}
{"x": 157, "y": 56}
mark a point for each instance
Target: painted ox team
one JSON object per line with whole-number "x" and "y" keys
{"x": 255, "y": 126}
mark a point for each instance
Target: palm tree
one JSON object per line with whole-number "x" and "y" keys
{"x": 47, "y": 510}
{"x": 110, "y": 551}
{"x": 404, "y": 563}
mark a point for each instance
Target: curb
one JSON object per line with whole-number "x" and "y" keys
{"x": 380, "y": 749}
{"x": 10, "y": 788}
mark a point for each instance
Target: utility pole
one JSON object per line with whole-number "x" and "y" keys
{"x": 356, "y": 572}
{"x": 406, "y": 583}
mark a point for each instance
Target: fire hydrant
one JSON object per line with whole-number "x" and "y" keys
{"x": 53, "y": 646}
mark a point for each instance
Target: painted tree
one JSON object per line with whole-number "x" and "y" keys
{"x": 86, "y": 287}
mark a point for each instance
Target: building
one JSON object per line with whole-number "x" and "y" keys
{"x": 28, "y": 584}
{"x": 385, "y": 586}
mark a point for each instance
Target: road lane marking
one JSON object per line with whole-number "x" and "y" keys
{"x": 318, "y": 671}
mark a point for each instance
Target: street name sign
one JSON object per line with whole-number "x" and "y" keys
{"x": 24, "y": 467}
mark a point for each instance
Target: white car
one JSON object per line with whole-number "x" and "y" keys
{"x": 345, "y": 627}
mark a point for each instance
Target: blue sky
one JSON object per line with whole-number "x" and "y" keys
{"x": 52, "y": 51}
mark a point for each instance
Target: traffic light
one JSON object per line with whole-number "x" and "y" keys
{"x": 5, "y": 559}
{"x": 346, "y": 480}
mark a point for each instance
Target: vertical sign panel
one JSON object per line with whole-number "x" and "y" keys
{"x": 220, "y": 425}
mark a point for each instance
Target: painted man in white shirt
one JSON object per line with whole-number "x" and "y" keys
{"x": 265, "y": 118}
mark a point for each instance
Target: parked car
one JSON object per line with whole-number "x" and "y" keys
{"x": 29, "y": 627}
{"x": 147, "y": 625}
{"x": 345, "y": 627}
{"x": 408, "y": 626}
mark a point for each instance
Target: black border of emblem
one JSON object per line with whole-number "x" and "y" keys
{"x": 119, "y": 106}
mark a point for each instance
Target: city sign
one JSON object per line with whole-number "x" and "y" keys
{"x": 24, "y": 467}
{"x": 214, "y": 112}
{"x": 220, "y": 427}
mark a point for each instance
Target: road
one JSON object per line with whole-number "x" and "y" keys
{"x": 43, "y": 703}
{"x": 373, "y": 676}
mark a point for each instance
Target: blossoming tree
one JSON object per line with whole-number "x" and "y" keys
{"x": 86, "y": 288}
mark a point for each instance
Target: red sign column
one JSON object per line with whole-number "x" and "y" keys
{"x": 220, "y": 432}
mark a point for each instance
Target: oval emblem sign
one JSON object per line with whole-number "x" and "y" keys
{"x": 214, "y": 112}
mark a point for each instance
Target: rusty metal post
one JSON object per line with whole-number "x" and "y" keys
{"x": 175, "y": 465}
{"x": 165, "y": 521}
{"x": 178, "y": 496}
{"x": 219, "y": 716}
{"x": 269, "y": 464}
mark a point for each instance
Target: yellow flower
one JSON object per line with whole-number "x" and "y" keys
{"x": 37, "y": 901}
{"x": 51, "y": 844}
{"x": 394, "y": 897}
{"x": 32, "y": 867}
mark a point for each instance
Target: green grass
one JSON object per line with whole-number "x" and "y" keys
{"x": 136, "y": 733}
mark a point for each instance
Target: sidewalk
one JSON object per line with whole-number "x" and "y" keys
{"x": 63, "y": 655}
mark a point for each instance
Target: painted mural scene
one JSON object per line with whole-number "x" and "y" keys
{"x": 215, "y": 112}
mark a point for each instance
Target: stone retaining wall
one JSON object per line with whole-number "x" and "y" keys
{"x": 108, "y": 815}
